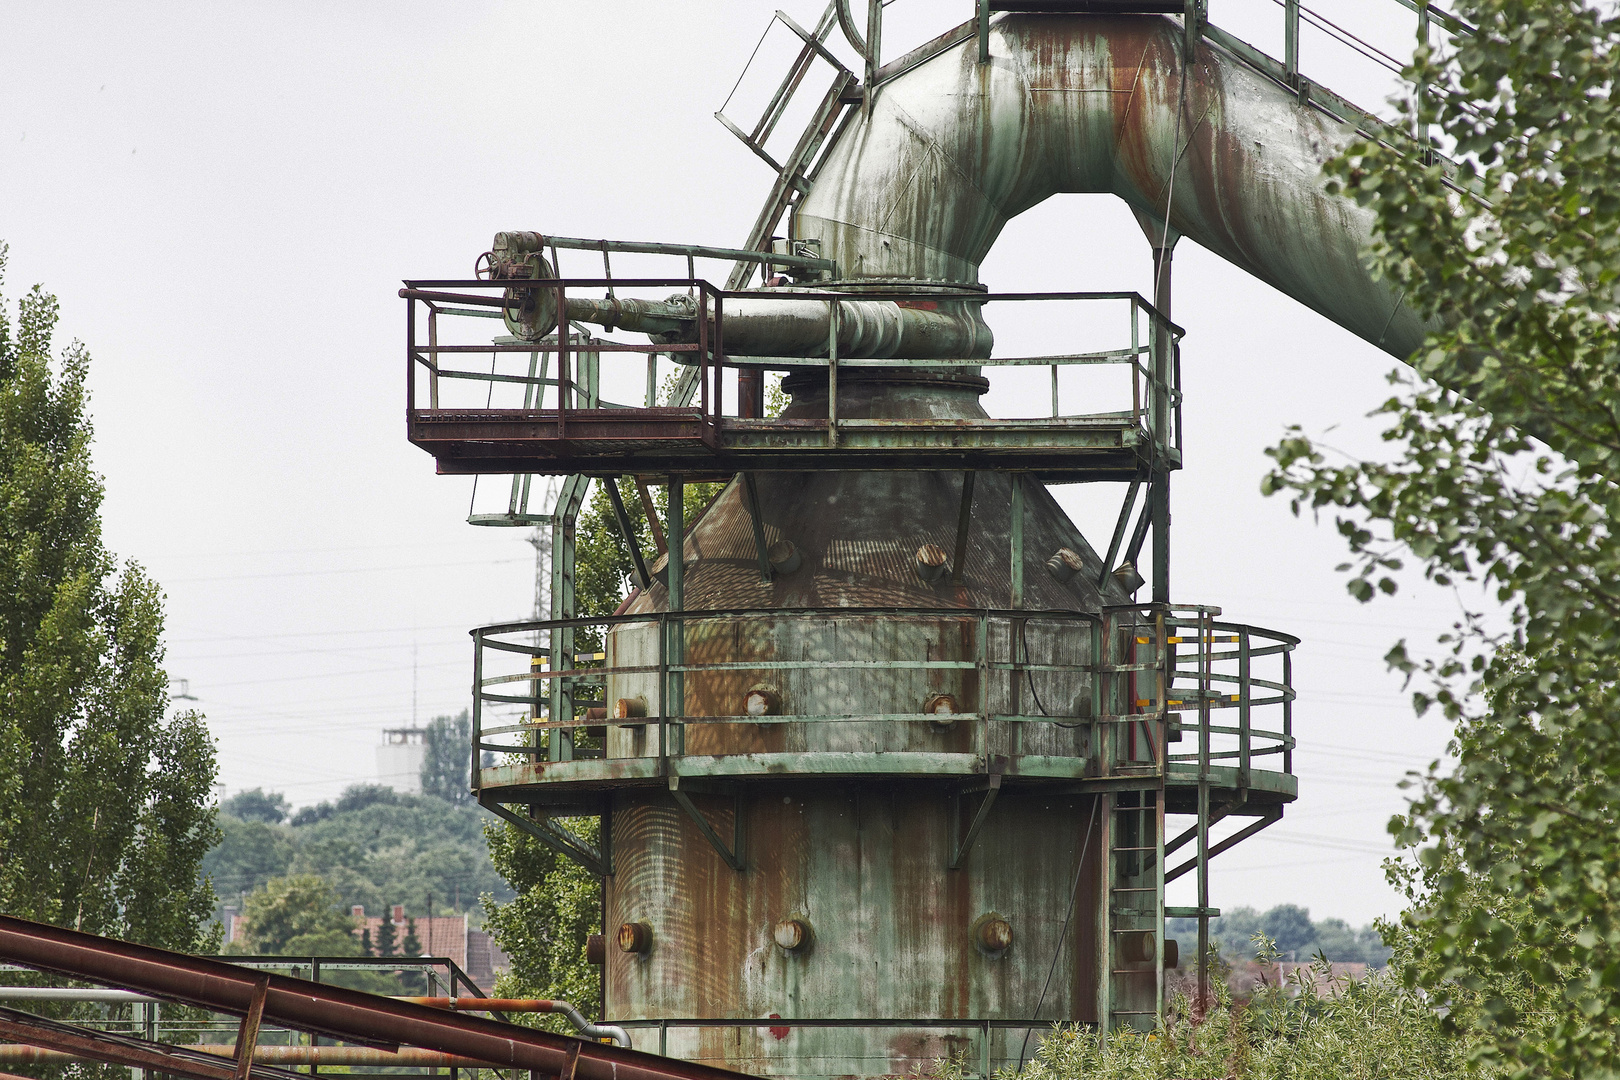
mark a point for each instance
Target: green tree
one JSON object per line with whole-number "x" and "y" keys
{"x": 445, "y": 766}
{"x": 387, "y": 937}
{"x": 1504, "y": 447}
{"x": 255, "y": 805}
{"x": 297, "y": 915}
{"x": 544, "y": 930}
{"x": 382, "y": 845}
{"x": 105, "y": 804}
{"x": 412, "y": 945}
{"x": 559, "y": 904}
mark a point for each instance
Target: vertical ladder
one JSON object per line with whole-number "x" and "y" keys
{"x": 1131, "y": 922}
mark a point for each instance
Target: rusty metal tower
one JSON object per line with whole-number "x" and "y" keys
{"x": 882, "y": 761}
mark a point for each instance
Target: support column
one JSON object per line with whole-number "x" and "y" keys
{"x": 675, "y": 529}
{"x": 1159, "y": 490}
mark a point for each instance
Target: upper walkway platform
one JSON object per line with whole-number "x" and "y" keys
{"x": 518, "y": 404}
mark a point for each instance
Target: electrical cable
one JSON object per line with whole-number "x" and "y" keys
{"x": 1074, "y": 894}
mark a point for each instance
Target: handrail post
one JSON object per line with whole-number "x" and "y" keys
{"x": 565, "y": 382}
{"x": 1098, "y": 629}
{"x": 675, "y": 575}
{"x": 1136, "y": 362}
{"x": 983, "y": 736}
{"x": 433, "y": 353}
{"x": 1244, "y": 698}
{"x": 663, "y": 693}
{"x": 703, "y": 351}
{"x": 833, "y": 313}
{"x": 1205, "y": 630}
{"x": 410, "y": 355}
{"x": 1291, "y": 42}
{"x": 719, "y": 344}
{"x": 1288, "y": 710}
{"x": 475, "y": 780}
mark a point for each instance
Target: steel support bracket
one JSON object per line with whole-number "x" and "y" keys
{"x": 1230, "y": 842}
{"x": 564, "y": 841}
{"x": 751, "y": 491}
{"x": 733, "y": 856}
{"x": 960, "y": 849}
{"x": 963, "y": 521}
{"x": 247, "y": 1033}
{"x": 631, "y": 541}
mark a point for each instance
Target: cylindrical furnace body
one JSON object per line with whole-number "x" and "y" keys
{"x": 872, "y": 918}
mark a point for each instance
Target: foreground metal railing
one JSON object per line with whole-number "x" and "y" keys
{"x": 434, "y": 1037}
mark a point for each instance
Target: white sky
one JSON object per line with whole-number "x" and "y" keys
{"x": 225, "y": 197}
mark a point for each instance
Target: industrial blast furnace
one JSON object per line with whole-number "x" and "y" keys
{"x": 876, "y": 761}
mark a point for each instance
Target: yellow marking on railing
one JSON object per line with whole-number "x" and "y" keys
{"x": 1217, "y": 640}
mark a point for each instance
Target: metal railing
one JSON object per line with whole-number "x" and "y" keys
{"x": 1111, "y": 683}
{"x": 574, "y": 385}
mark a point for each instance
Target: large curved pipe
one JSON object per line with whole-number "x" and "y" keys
{"x": 1084, "y": 103}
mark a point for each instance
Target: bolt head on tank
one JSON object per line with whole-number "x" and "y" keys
{"x": 629, "y": 708}
{"x": 931, "y": 562}
{"x": 1064, "y": 564}
{"x": 596, "y": 950}
{"x": 784, "y": 557}
{"x": 792, "y": 935}
{"x": 635, "y": 937}
{"x": 940, "y": 709}
{"x": 762, "y": 701}
{"x": 992, "y": 934}
{"x": 1128, "y": 577}
{"x": 1137, "y": 946}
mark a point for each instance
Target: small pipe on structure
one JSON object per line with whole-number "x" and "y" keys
{"x": 530, "y": 1005}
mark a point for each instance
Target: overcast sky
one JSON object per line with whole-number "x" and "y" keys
{"x": 225, "y": 197}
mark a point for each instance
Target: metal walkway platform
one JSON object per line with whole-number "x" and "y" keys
{"x": 556, "y": 420}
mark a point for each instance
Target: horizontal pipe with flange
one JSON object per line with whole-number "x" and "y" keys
{"x": 322, "y": 1009}
{"x": 773, "y": 324}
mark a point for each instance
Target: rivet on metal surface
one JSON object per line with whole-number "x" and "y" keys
{"x": 635, "y": 937}
{"x": 792, "y": 935}
{"x": 992, "y": 934}
{"x": 931, "y": 562}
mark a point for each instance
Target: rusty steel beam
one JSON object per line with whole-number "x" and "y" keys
{"x": 405, "y": 1058}
{"x": 328, "y": 1010}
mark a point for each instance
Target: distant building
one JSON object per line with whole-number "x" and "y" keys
{"x": 443, "y": 935}
{"x": 449, "y": 936}
{"x": 400, "y": 758}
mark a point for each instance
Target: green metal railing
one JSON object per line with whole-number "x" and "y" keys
{"x": 569, "y": 379}
{"x": 1128, "y": 672}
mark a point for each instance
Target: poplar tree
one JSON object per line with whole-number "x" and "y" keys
{"x": 1504, "y": 446}
{"x": 105, "y": 800}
